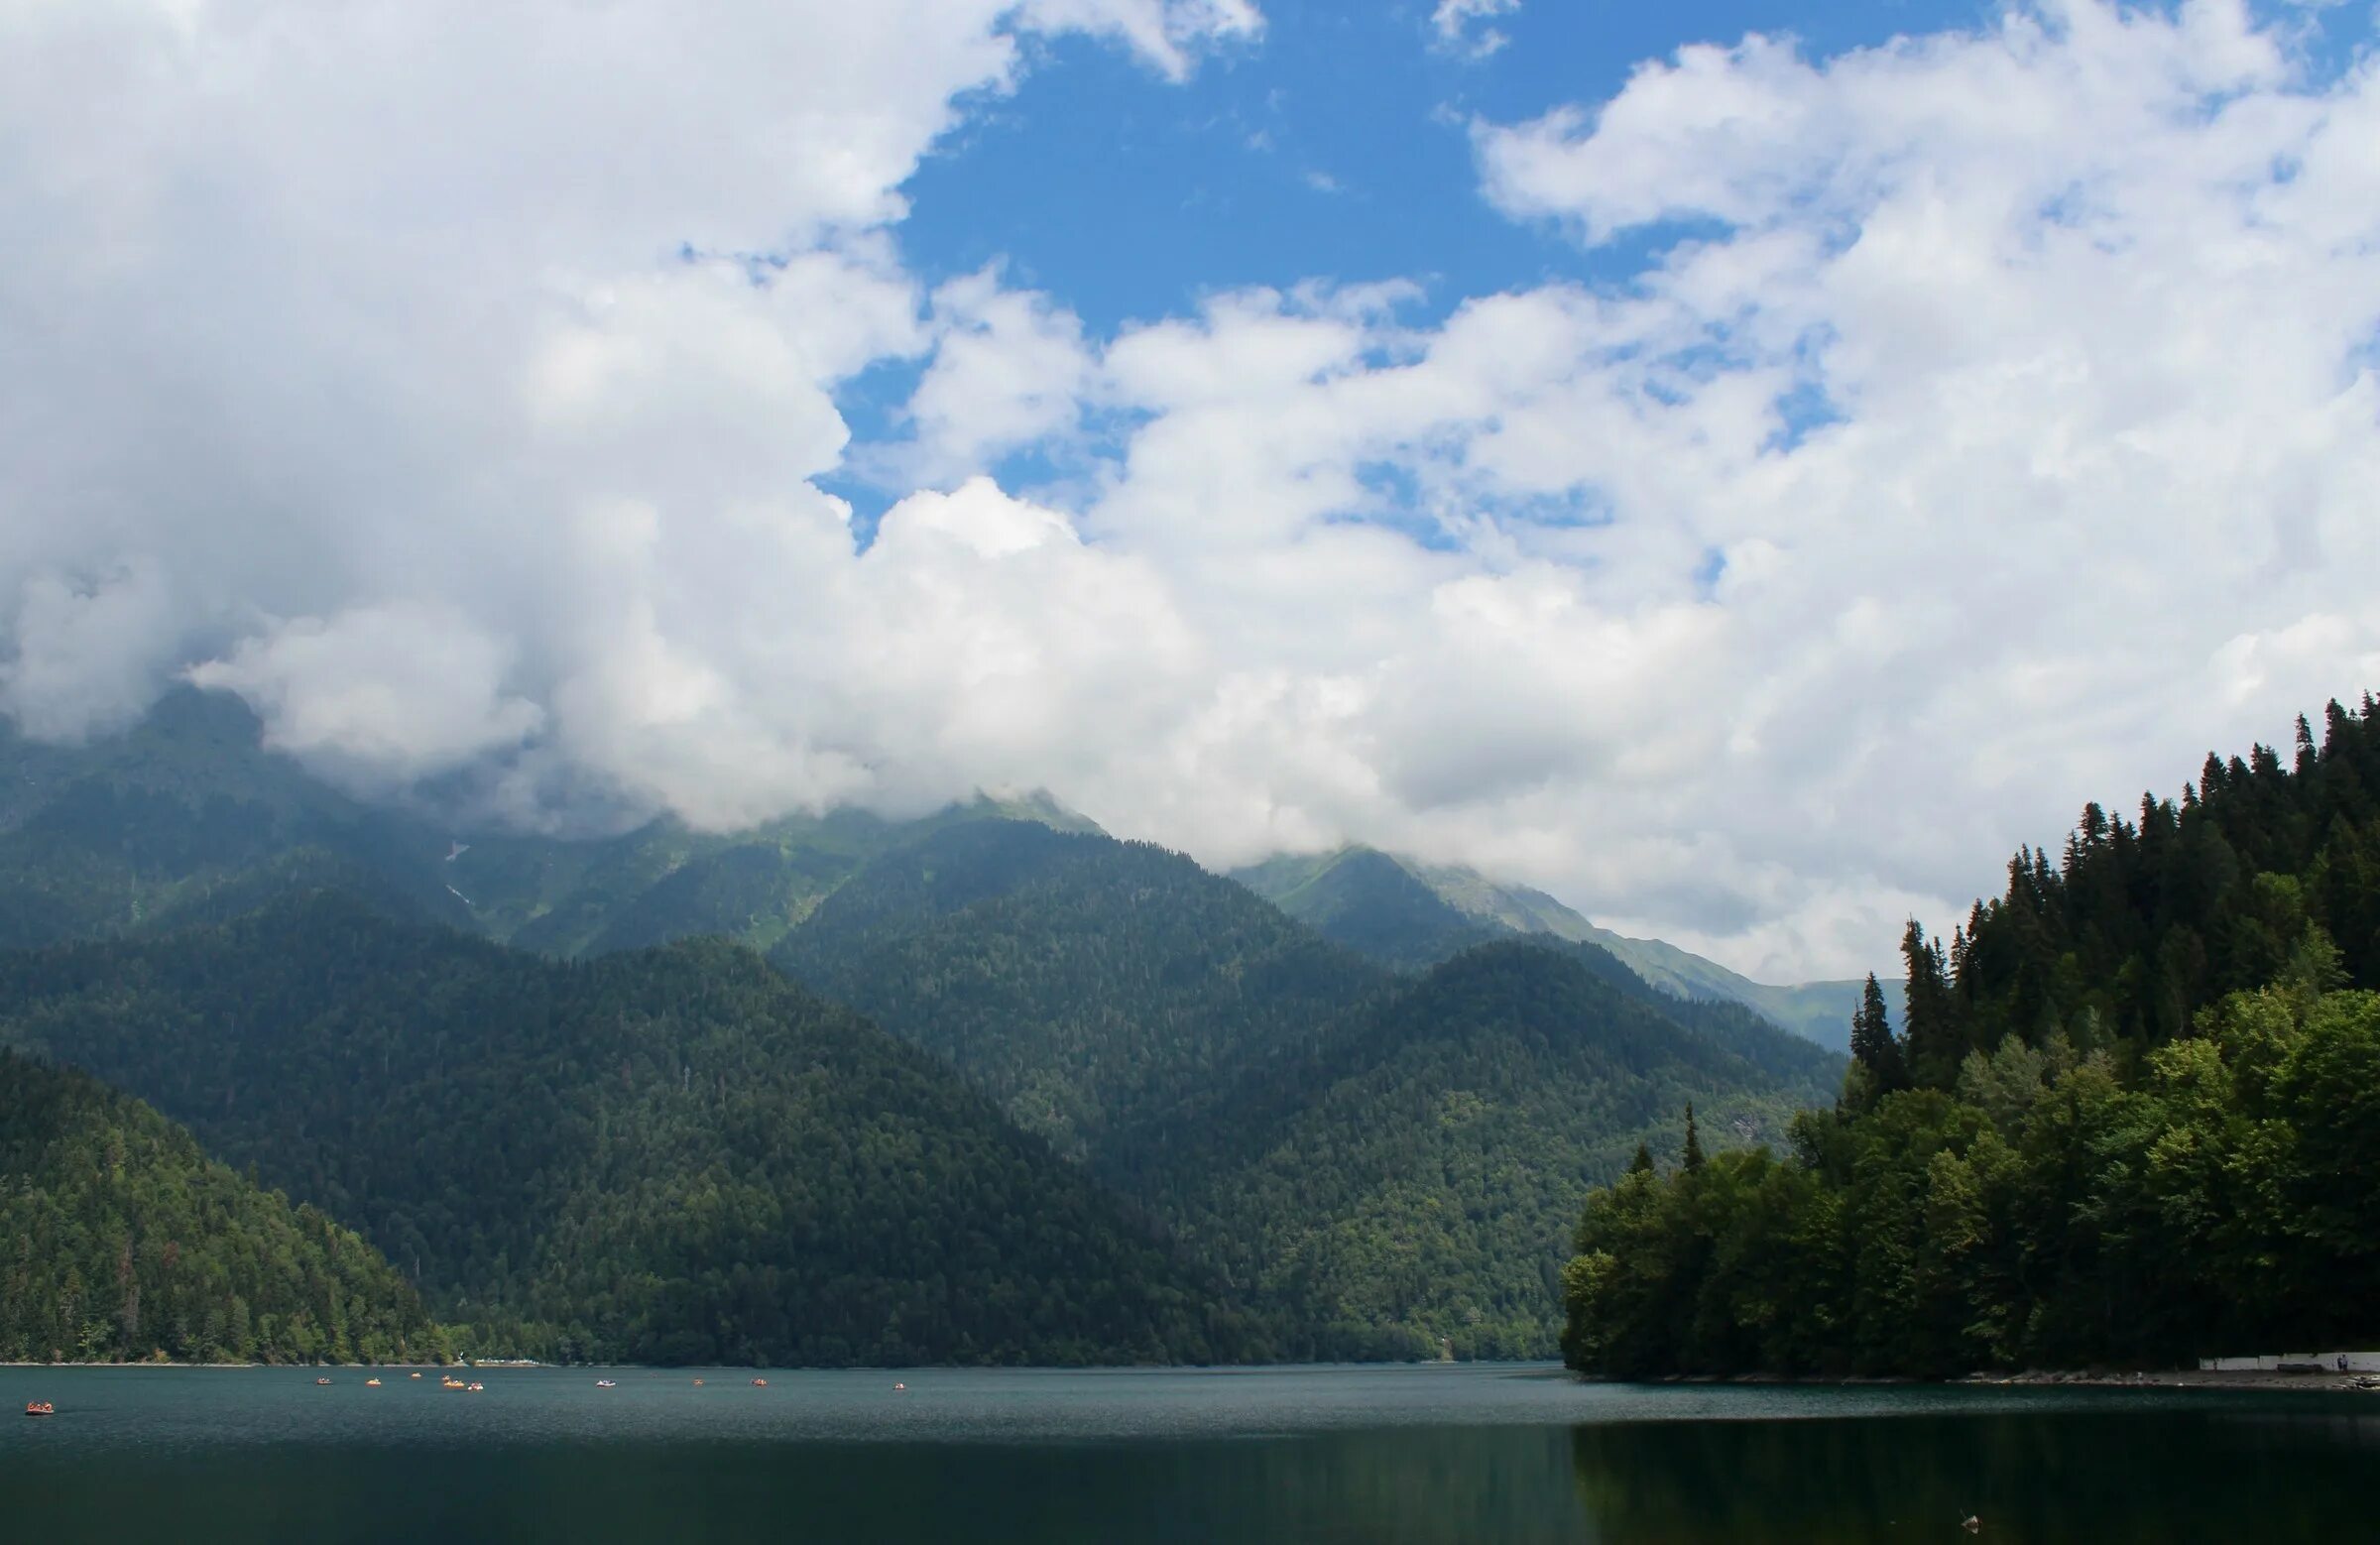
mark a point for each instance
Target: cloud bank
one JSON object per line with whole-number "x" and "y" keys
{"x": 1974, "y": 426}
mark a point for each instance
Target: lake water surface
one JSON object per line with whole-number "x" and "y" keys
{"x": 1405, "y": 1456}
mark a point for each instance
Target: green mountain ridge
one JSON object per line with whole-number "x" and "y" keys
{"x": 1150, "y": 1115}
{"x": 126, "y": 1243}
{"x": 188, "y": 817}
{"x": 671, "y": 1155}
{"x": 1410, "y": 914}
{"x": 1093, "y": 988}
{"x": 1405, "y": 1187}
{"x": 1382, "y": 1157}
{"x": 665, "y": 880}
{"x": 183, "y": 816}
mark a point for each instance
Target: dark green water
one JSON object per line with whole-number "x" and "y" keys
{"x": 1405, "y": 1456}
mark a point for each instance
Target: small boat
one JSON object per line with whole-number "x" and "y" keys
{"x": 450, "y": 1384}
{"x": 899, "y": 1388}
{"x": 371, "y": 1383}
{"x": 321, "y": 1380}
{"x": 40, "y": 1408}
{"x": 476, "y": 1384}
{"x": 414, "y": 1375}
{"x": 760, "y": 1383}
{"x": 698, "y": 1383}
{"x": 607, "y": 1383}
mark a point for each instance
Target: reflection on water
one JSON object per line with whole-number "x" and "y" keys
{"x": 1321, "y": 1457}
{"x": 2096, "y": 1474}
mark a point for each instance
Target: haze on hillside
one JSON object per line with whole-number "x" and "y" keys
{"x": 1739, "y": 472}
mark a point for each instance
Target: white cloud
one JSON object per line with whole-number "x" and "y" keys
{"x": 1009, "y": 368}
{"x": 1992, "y": 426}
{"x": 390, "y": 693}
{"x": 1460, "y": 25}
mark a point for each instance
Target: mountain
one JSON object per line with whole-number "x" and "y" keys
{"x": 1404, "y": 1182}
{"x": 667, "y": 1155}
{"x": 1097, "y": 989}
{"x": 1408, "y": 914}
{"x": 1125, "y": 1109}
{"x": 186, "y": 816}
{"x": 1387, "y": 1160}
{"x": 2132, "y": 1118}
{"x": 665, "y": 880}
{"x": 125, "y": 1241}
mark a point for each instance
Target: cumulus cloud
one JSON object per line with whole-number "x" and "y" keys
{"x": 1009, "y": 368}
{"x": 1981, "y": 423}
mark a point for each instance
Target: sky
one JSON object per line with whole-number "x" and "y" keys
{"x": 1741, "y": 467}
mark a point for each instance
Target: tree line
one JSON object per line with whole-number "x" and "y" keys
{"x": 2132, "y": 1116}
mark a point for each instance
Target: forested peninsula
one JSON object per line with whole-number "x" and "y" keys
{"x": 2132, "y": 1118}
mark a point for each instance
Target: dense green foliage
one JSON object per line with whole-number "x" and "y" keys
{"x": 1097, "y": 989}
{"x": 663, "y": 882}
{"x": 1278, "y": 1148}
{"x": 672, "y": 1155}
{"x": 1382, "y": 1162}
{"x": 2133, "y": 1117}
{"x": 1370, "y": 902}
{"x": 1403, "y": 1183}
{"x": 119, "y": 1241}
{"x": 1411, "y": 915}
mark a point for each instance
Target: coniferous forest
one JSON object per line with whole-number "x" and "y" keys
{"x": 2132, "y": 1117}
{"x": 120, "y": 1242}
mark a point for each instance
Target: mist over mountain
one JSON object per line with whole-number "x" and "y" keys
{"x": 1409, "y": 915}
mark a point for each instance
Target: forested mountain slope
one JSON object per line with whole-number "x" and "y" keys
{"x": 1404, "y": 1182}
{"x": 667, "y": 1155}
{"x": 187, "y": 816}
{"x": 1409, "y": 915}
{"x": 663, "y": 882}
{"x": 120, "y": 1241}
{"x": 2134, "y": 1118}
{"x": 1097, "y": 990}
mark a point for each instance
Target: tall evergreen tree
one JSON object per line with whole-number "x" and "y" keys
{"x": 1936, "y": 1040}
{"x": 1872, "y": 1040}
{"x": 1692, "y": 1157}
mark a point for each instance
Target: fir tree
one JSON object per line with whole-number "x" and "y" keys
{"x": 1874, "y": 1042}
{"x": 1691, "y": 1159}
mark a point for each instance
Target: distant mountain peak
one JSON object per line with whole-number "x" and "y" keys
{"x": 1411, "y": 915}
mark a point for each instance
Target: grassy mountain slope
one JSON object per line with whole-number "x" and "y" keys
{"x": 124, "y": 1242}
{"x": 181, "y": 816}
{"x": 1370, "y": 902}
{"x": 1095, "y": 989}
{"x": 667, "y": 1155}
{"x": 1409, "y": 915}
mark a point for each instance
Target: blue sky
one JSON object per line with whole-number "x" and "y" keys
{"x": 1132, "y": 202}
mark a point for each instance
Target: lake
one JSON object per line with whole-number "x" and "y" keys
{"x": 1401, "y": 1456}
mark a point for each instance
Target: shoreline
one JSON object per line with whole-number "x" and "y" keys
{"x": 2187, "y": 1379}
{"x": 2312, "y": 1380}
